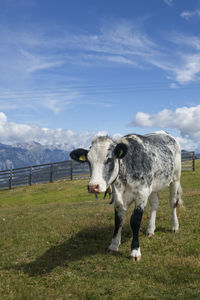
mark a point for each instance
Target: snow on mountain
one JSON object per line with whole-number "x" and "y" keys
{"x": 26, "y": 154}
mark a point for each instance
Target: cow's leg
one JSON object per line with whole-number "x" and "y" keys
{"x": 154, "y": 207}
{"x": 116, "y": 240}
{"x": 135, "y": 222}
{"x": 174, "y": 187}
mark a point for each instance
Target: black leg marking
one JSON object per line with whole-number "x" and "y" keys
{"x": 176, "y": 204}
{"x": 135, "y": 222}
{"x": 118, "y": 222}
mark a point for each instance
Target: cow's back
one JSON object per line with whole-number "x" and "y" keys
{"x": 152, "y": 159}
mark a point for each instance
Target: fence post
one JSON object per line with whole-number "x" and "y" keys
{"x": 30, "y": 176}
{"x": 51, "y": 173}
{"x": 71, "y": 170}
{"x": 10, "y": 180}
{"x": 193, "y": 162}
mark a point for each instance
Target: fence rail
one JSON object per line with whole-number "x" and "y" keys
{"x": 68, "y": 170}
{"x": 188, "y": 161}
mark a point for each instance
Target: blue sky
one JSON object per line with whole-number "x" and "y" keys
{"x": 73, "y": 68}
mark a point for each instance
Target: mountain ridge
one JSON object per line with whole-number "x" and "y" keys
{"x": 33, "y": 153}
{"x": 26, "y": 154}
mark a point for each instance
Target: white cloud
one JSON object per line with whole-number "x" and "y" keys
{"x": 187, "y": 42}
{"x": 173, "y": 85}
{"x": 3, "y": 118}
{"x": 53, "y": 99}
{"x": 125, "y": 43}
{"x": 187, "y": 67}
{"x": 168, "y": 2}
{"x": 24, "y": 53}
{"x": 34, "y": 52}
{"x": 190, "y": 70}
{"x": 188, "y": 144}
{"x": 11, "y": 133}
{"x": 190, "y": 14}
{"x": 185, "y": 119}
{"x": 37, "y": 62}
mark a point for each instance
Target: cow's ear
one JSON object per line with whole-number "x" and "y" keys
{"x": 120, "y": 150}
{"x": 79, "y": 155}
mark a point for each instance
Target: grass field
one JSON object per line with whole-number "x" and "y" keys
{"x": 53, "y": 239}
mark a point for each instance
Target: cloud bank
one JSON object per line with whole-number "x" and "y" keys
{"x": 11, "y": 133}
{"x": 185, "y": 119}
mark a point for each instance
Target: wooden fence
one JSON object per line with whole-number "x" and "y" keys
{"x": 68, "y": 170}
{"x": 188, "y": 161}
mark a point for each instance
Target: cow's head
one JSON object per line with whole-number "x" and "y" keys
{"x": 103, "y": 158}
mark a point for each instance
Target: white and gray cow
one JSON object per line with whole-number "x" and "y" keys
{"x": 137, "y": 167}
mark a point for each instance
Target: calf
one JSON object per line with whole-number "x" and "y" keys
{"x": 137, "y": 167}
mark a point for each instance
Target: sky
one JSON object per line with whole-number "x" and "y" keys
{"x": 73, "y": 69}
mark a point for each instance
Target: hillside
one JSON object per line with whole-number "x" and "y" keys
{"x": 27, "y": 154}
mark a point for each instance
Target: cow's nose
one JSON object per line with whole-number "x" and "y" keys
{"x": 93, "y": 188}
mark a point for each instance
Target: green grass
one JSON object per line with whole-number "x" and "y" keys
{"x": 54, "y": 236}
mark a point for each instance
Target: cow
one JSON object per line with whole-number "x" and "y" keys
{"x": 137, "y": 167}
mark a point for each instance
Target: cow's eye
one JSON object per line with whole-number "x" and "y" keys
{"x": 109, "y": 160}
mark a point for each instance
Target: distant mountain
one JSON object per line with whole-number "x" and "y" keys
{"x": 197, "y": 155}
{"x": 27, "y": 154}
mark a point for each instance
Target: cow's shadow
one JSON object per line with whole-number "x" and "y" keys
{"x": 87, "y": 242}
{"x": 159, "y": 229}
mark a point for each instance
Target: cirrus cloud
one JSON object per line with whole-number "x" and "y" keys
{"x": 168, "y": 2}
{"x": 35, "y": 52}
{"x": 190, "y": 14}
